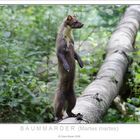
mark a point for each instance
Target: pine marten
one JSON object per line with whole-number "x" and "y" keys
{"x": 66, "y": 65}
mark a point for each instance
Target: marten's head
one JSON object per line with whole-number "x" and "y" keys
{"x": 73, "y": 22}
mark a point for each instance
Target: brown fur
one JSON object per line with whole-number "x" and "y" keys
{"x": 66, "y": 65}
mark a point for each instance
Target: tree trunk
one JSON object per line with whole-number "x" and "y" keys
{"x": 98, "y": 96}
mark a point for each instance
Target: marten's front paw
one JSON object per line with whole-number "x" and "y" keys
{"x": 81, "y": 64}
{"x": 66, "y": 67}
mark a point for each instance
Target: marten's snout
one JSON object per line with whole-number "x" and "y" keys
{"x": 77, "y": 25}
{"x": 82, "y": 25}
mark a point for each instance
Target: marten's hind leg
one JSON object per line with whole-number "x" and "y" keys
{"x": 59, "y": 105}
{"x": 71, "y": 101}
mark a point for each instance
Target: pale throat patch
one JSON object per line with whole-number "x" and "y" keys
{"x": 68, "y": 35}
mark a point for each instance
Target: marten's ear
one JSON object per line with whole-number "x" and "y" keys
{"x": 69, "y": 18}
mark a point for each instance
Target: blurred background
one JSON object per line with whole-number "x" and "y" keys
{"x": 28, "y": 63}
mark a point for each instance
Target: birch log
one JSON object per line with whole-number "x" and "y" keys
{"x": 98, "y": 96}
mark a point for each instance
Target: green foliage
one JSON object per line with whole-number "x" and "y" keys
{"x": 28, "y": 65}
{"x": 134, "y": 80}
{"x": 23, "y": 44}
{"x": 110, "y": 14}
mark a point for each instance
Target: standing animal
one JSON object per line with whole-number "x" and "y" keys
{"x": 66, "y": 65}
